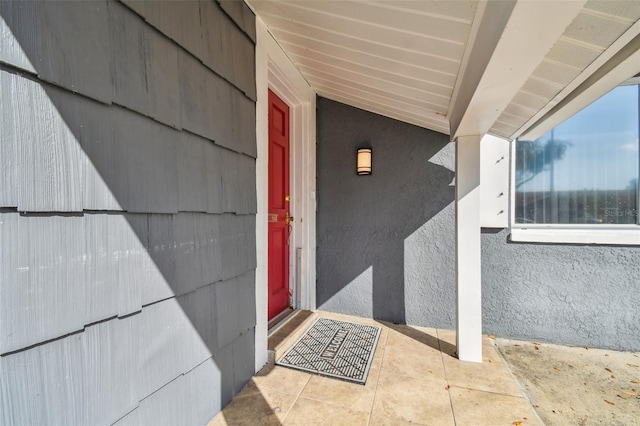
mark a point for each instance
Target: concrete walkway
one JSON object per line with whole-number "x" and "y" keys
{"x": 576, "y": 385}
{"x": 414, "y": 378}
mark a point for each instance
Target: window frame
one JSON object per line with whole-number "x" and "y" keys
{"x": 605, "y": 234}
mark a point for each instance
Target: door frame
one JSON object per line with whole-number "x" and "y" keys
{"x": 275, "y": 71}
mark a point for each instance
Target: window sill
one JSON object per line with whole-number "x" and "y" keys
{"x": 607, "y": 236}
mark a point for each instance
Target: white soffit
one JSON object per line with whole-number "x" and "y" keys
{"x": 412, "y": 60}
{"x": 395, "y": 58}
{"x": 598, "y": 33}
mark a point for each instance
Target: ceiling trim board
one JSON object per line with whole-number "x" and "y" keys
{"x": 365, "y": 13}
{"x": 397, "y": 78}
{"x": 278, "y": 23}
{"x": 376, "y": 109}
{"x": 400, "y": 106}
{"x": 509, "y": 58}
{"x": 365, "y": 60}
{"x": 392, "y": 96}
{"x": 352, "y": 76}
{"x": 394, "y": 5}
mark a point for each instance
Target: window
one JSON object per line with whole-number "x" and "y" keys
{"x": 584, "y": 172}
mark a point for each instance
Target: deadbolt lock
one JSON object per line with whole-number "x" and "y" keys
{"x": 287, "y": 198}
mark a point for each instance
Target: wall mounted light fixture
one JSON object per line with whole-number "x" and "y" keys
{"x": 364, "y": 161}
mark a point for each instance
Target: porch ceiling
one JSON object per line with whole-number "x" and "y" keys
{"x": 456, "y": 67}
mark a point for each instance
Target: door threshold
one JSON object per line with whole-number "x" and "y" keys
{"x": 280, "y": 320}
{"x": 287, "y": 331}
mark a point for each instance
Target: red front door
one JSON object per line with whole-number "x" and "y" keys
{"x": 278, "y": 205}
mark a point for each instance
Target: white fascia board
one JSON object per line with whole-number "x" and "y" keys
{"x": 526, "y": 37}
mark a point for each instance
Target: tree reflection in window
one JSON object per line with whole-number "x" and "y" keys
{"x": 584, "y": 171}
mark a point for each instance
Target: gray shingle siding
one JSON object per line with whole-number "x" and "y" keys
{"x": 74, "y": 49}
{"x": 127, "y": 210}
{"x": 24, "y": 36}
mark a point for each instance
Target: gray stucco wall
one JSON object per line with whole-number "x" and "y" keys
{"x": 386, "y": 246}
{"x": 569, "y": 294}
{"x": 384, "y": 240}
{"x": 127, "y": 210}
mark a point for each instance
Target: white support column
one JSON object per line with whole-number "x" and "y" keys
{"x": 468, "y": 266}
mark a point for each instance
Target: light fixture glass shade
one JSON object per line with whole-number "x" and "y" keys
{"x": 364, "y": 161}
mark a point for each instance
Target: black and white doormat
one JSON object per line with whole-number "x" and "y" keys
{"x": 334, "y": 348}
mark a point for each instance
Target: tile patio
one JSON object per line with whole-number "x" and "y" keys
{"x": 414, "y": 379}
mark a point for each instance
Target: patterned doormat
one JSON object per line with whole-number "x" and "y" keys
{"x": 334, "y": 348}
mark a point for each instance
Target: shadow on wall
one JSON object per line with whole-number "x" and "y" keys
{"x": 364, "y": 221}
{"x": 127, "y": 211}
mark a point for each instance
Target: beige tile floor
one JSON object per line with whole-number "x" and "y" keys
{"x": 414, "y": 379}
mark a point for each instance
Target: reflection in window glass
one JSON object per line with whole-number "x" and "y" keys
{"x": 584, "y": 171}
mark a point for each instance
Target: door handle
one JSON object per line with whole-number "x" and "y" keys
{"x": 288, "y": 219}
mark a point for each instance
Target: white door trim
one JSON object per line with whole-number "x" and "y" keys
{"x": 275, "y": 71}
